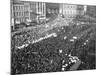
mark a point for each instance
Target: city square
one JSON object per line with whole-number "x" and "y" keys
{"x": 52, "y": 37}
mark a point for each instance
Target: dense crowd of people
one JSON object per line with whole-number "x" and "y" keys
{"x": 72, "y": 44}
{"x": 28, "y": 35}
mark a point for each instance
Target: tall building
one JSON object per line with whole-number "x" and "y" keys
{"x": 33, "y": 11}
{"x": 72, "y": 11}
{"x": 41, "y": 11}
{"x": 26, "y": 11}
{"x": 20, "y": 11}
{"x": 69, "y": 11}
{"x": 81, "y": 10}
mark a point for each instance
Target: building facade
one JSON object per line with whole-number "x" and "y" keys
{"x": 81, "y": 10}
{"x": 52, "y": 8}
{"x": 21, "y": 12}
{"x": 41, "y": 11}
{"x": 24, "y": 11}
{"x": 69, "y": 11}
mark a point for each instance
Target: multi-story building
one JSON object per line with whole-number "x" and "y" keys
{"x": 81, "y": 10}
{"x": 33, "y": 11}
{"x": 69, "y": 11}
{"x": 25, "y": 11}
{"x": 41, "y": 11}
{"x": 20, "y": 11}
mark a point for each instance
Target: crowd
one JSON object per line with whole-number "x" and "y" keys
{"x": 28, "y": 35}
{"x": 56, "y": 53}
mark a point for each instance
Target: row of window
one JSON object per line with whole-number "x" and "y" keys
{"x": 21, "y": 8}
{"x": 70, "y": 11}
{"x": 18, "y": 8}
{"x": 69, "y": 6}
{"x": 21, "y": 19}
{"x": 41, "y": 7}
{"x": 21, "y": 14}
{"x": 52, "y": 11}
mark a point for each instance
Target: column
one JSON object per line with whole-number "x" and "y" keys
{"x": 85, "y": 8}
{"x": 37, "y": 10}
{"x": 42, "y": 8}
{"x": 44, "y": 4}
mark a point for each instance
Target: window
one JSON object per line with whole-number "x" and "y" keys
{"x": 14, "y": 8}
{"x": 16, "y": 14}
{"x": 22, "y": 13}
{"x": 19, "y": 8}
{"x": 19, "y": 13}
{"x": 68, "y": 6}
{"x": 71, "y": 6}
